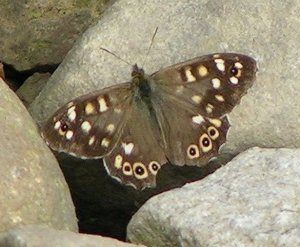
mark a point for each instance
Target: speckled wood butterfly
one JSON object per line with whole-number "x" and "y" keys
{"x": 176, "y": 115}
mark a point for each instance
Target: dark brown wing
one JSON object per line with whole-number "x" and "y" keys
{"x": 89, "y": 126}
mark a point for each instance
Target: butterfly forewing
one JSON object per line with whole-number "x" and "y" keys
{"x": 214, "y": 82}
{"x": 177, "y": 114}
{"x": 89, "y": 126}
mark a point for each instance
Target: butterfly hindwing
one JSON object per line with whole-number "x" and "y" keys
{"x": 138, "y": 155}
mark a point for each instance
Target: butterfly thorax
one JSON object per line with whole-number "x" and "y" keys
{"x": 144, "y": 89}
{"x": 142, "y": 84}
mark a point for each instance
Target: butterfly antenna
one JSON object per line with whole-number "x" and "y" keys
{"x": 111, "y": 53}
{"x": 150, "y": 46}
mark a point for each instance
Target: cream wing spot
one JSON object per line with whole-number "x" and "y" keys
{"x": 92, "y": 140}
{"x": 198, "y": 119}
{"x": 90, "y": 109}
{"x": 219, "y": 97}
{"x": 154, "y": 166}
{"x": 238, "y": 65}
{"x": 216, "y": 83}
{"x": 216, "y": 55}
{"x": 127, "y": 147}
{"x": 72, "y": 116}
{"x": 102, "y": 104}
{"x": 193, "y": 151}
{"x": 139, "y": 170}
{"x": 69, "y": 134}
{"x": 209, "y": 108}
{"x": 110, "y": 128}
{"x": 71, "y": 113}
{"x": 202, "y": 70}
{"x": 118, "y": 161}
{"x": 127, "y": 169}
{"x": 86, "y": 126}
{"x": 57, "y": 125}
{"x": 105, "y": 142}
{"x": 197, "y": 99}
{"x": 205, "y": 143}
{"x": 234, "y": 80}
{"x": 215, "y": 121}
{"x": 220, "y": 64}
{"x": 188, "y": 73}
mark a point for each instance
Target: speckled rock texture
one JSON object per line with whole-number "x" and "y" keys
{"x": 33, "y": 189}
{"x": 252, "y": 201}
{"x": 37, "y": 236}
{"x": 35, "y": 33}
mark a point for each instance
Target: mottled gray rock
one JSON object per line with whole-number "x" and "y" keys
{"x": 42, "y": 32}
{"x": 252, "y": 201}
{"x": 267, "y": 30}
{"x": 33, "y": 189}
{"x": 38, "y": 236}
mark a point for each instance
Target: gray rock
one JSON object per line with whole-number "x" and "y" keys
{"x": 33, "y": 189}
{"x": 252, "y": 201}
{"x": 37, "y": 33}
{"x": 267, "y": 30}
{"x": 32, "y": 87}
{"x": 38, "y": 236}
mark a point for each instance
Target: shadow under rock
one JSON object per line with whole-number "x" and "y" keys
{"x": 104, "y": 206}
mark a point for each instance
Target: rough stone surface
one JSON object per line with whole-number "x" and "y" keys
{"x": 37, "y": 33}
{"x": 33, "y": 189}
{"x": 38, "y": 236}
{"x": 253, "y": 201}
{"x": 32, "y": 87}
{"x": 267, "y": 115}
{"x": 267, "y": 30}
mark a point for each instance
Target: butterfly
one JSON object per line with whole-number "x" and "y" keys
{"x": 175, "y": 115}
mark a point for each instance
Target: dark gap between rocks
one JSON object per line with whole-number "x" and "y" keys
{"x": 15, "y": 78}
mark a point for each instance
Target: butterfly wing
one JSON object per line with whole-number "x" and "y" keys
{"x": 88, "y": 126}
{"x": 138, "y": 155}
{"x": 192, "y": 102}
{"x": 110, "y": 124}
{"x": 186, "y": 125}
{"x": 214, "y": 82}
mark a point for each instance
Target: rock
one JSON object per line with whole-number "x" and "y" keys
{"x": 252, "y": 201}
{"x": 35, "y": 33}
{"x": 267, "y": 31}
{"x": 32, "y": 87}
{"x": 267, "y": 115}
{"x": 37, "y": 236}
{"x": 33, "y": 189}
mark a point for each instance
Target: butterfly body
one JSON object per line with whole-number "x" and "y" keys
{"x": 176, "y": 115}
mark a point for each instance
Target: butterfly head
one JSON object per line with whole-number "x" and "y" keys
{"x": 137, "y": 71}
